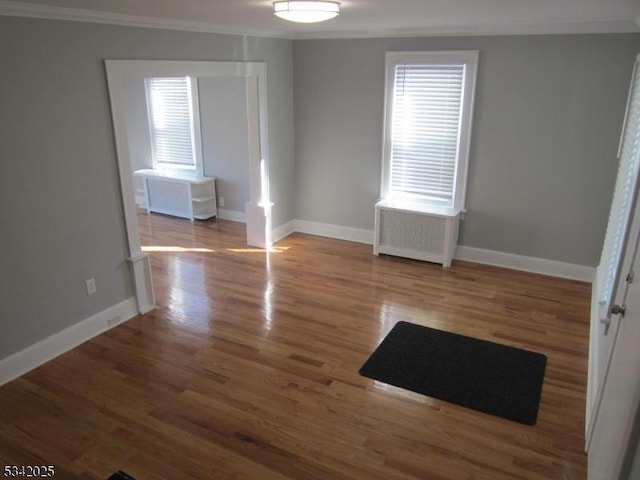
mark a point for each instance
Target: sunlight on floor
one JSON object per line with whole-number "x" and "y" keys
{"x": 176, "y": 249}
{"x": 258, "y": 250}
{"x": 157, "y": 248}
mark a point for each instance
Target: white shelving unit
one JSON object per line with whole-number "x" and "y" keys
{"x": 181, "y": 194}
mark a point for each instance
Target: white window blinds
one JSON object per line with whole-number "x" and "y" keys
{"x": 171, "y": 121}
{"x": 427, "y": 107}
{"x": 427, "y": 127}
{"x": 626, "y": 183}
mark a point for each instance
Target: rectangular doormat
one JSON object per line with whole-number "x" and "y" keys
{"x": 120, "y": 475}
{"x": 485, "y": 376}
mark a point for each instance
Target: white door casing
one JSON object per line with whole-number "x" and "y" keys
{"x": 612, "y": 447}
{"x": 613, "y": 394}
{"x": 607, "y": 282}
{"x": 258, "y": 209}
{"x": 609, "y": 442}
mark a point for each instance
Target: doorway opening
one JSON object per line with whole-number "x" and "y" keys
{"x": 121, "y": 76}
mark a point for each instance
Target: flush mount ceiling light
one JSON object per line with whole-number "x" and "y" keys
{"x": 306, "y": 11}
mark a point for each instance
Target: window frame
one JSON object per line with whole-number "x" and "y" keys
{"x": 196, "y": 135}
{"x": 469, "y": 58}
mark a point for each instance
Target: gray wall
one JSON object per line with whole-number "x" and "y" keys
{"x": 225, "y": 138}
{"x": 60, "y": 203}
{"x": 548, "y": 115}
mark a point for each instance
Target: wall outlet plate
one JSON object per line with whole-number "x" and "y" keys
{"x": 91, "y": 286}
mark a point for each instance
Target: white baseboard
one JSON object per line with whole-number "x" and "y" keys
{"x": 543, "y": 266}
{"x": 334, "y": 231}
{"x": 232, "y": 215}
{"x": 41, "y": 352}
{"x": 283, "y": 231}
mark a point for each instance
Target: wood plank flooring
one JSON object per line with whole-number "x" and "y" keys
{"x": 248, "y": 369}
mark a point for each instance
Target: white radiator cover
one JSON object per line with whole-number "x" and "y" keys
{"x": 169, "y": 197}
{"x": 183, "y": 194}
{"x": 422, "y": 233}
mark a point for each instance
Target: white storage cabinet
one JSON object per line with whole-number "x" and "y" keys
{"x": 181, "y": 194}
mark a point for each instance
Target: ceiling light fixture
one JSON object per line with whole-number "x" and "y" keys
{"x": 306, "y": 11}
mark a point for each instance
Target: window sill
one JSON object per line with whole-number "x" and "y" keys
{"x": 433, "y": 210}
{"x": 181, "y": 175}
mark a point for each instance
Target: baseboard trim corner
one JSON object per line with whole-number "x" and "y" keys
{"x": 283, "y": 231}
{"x": 334, "y": 231}
{"x": 523, "y": 263}
{"x": 47, "y": 349}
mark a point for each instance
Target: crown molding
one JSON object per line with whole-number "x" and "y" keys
{"x": 616, "y": 26}
{"x": 18, "y": 9}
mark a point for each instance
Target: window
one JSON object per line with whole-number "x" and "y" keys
{"x": 623, "y": 197}
{"x": 429, "y": 105}
{"x": 174, "y": 123}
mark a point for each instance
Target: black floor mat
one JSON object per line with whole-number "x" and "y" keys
{"x": 120, "y": 475}
{"x": 485, "y": 376}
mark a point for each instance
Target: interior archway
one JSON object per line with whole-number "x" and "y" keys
{"x": 258, "y": 208}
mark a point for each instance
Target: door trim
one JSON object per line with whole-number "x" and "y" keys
{"x": 119, "y": 72}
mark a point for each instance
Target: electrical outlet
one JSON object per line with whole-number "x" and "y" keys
{"x": 91, "y": 286}
{"x": 221, "y": 201}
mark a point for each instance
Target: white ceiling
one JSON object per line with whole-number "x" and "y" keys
{"x": 359, "y": 18}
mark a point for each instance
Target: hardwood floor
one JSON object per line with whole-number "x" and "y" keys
{"x": 248, "y": 369}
